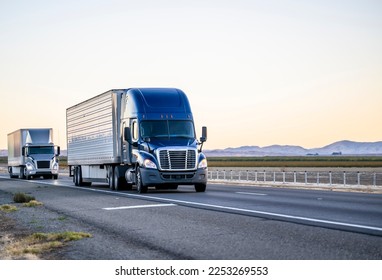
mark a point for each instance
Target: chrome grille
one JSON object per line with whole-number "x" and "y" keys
{"x": 177, "y": 159}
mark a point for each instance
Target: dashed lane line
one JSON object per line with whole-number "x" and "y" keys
{"x": 251, "y": 193}
{"x": 138, "y": 206}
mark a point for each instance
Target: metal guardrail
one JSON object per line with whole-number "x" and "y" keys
{"x": 322, "y": 178}
{"x": 300, "y": 177}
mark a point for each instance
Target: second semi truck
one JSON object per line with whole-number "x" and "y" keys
{"x": 31, "y": 153}
{"x": 142, "y": 137}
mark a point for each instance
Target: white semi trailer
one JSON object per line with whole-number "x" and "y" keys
{"x": 31, "y": 153}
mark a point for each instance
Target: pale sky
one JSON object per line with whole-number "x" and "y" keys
{"x": 305, "y": 73}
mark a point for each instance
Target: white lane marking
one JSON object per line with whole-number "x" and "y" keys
{"x": 250, "y": 193}
{"x": 240, "y": 210}
{"x": 224, "y": 207}
{"x": 138, "y": 206}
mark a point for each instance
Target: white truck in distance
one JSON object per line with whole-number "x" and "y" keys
{"x": 31, "y": 153}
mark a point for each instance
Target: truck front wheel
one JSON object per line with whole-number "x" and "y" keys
{"x": 120, "y": 182}
{"x": 22, "y": 173}
{"x": 141, "y": 188}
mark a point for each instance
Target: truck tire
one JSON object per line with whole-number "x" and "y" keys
{"x": 11, "y": 175}
{"x": 200, "y": 187}
{"x": 141, "y": 188}
{"x": 77, "y": 176}
{"x": 120, "y": 182}
{"x": 22, "y": 173}
{"x": 74, "y": 175}
{"x": 110, "y": 179}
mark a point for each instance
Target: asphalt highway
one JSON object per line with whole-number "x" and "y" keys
{"x": 225, "y": 222}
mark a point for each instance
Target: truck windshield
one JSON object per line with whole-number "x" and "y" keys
{"x": 40, "y": 150}
{"x": 167, "y": 129}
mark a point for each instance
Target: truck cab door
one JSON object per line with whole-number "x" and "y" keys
{"x": 126, "y": 151}
{"x": 129, "y": 140}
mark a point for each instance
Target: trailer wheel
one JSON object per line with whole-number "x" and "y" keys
{"x": 11, "y": 175}
{"x": 111, "y": 178}
{"x": 77, "y": 176}
{"x": 200, "y": 187}
{"x": 74, "y": 175}
{"x": 141, "y": 188}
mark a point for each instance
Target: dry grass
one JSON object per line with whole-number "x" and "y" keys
{"x": 26, "y": 200}
{"x": 8, "y": 208}
{"x": 32, "y": 203}
{"x": 37, "y": 244}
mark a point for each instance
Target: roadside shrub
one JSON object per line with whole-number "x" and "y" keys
{"x": 22, "y": 198}
{"x": 8, "y": 208}
{"x": 33, "y": 203}
{"x": 40, "y": 243}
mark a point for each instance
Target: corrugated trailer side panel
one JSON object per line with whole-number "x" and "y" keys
{"x": 15, "y": 144}
{"x": 92, "y": 129}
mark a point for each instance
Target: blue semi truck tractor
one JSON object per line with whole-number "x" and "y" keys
{"x": 142, "y": 137}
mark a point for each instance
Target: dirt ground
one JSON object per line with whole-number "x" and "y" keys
{"x": 12, "y": 231}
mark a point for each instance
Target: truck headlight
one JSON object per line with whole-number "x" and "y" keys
{"x": 203, "y": 163}
{"x": 149, "y": 164}
{"x": 29, "y": 166}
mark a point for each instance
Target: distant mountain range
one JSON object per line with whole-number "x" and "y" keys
{"x": 338, "y": 148}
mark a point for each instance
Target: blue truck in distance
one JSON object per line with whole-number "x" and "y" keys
{"x": 142, "y": 137}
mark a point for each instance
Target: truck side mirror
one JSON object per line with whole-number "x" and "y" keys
{"x": 23, "y": 151}
{"x": 58, "y": 151}
{"x": 204, "y": 134}
{"x": 128, "y": 138}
